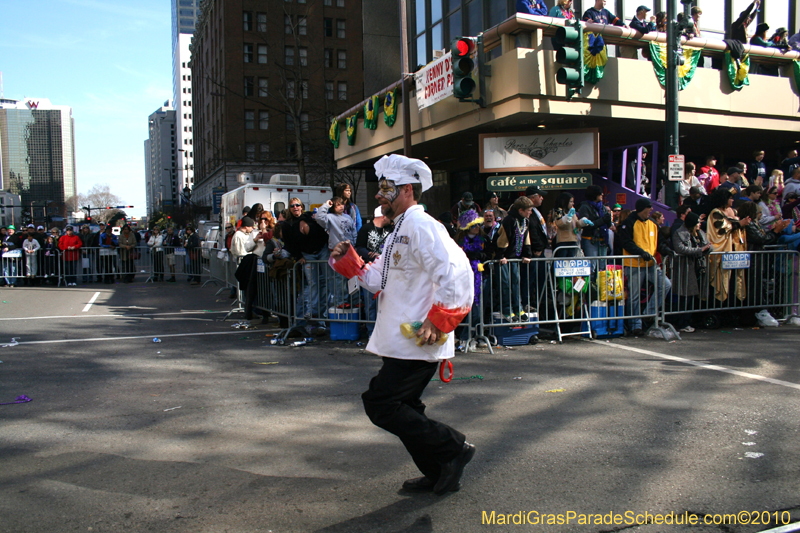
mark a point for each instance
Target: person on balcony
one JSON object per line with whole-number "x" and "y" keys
{"x": 600, "y": 15}
{"x": 696, "y": 12}
{"x": 739, "y": 27}
{"x": 710, "y": 175}
{"x": 794, "y": 42}
{"x": 562, "y": 10}
{"x": 532, "y": 7}
{"x": 760, "y": 37}
{"x": 640, "y": 23}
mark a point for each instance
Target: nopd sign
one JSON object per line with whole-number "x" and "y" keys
{"x": 569, "y": 268}
{"x": 735, "y": 261}
{"x": 546, "y": 182}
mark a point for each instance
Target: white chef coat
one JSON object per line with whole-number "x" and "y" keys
{"x": 425, "y": 267}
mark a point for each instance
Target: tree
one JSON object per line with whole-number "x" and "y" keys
{"x": 100, "y": 195}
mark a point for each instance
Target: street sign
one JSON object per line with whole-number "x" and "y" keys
{"x": 676, "y": 167}
{"x": 573, "y": 267}
{"x": 546, "y": 182}
{"x": 735, "y": 261}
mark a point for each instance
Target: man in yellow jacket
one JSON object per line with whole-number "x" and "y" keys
{"x": 639, "y": 237}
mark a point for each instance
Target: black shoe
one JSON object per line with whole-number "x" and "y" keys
{"x": 419, "y": 484}
{"x": 451, "y": 472}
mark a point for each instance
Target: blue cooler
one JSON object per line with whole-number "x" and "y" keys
{"x": 515, "y": 335}
{"x": 344, "y": 331}
{"x": 606, "y": 328}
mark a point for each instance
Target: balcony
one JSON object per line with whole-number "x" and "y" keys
{"x": 627, "y": 105}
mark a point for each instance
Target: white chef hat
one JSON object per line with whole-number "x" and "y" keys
{"x": 403, "y": 170}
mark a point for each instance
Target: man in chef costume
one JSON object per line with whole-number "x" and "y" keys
{"x": 424, "y": 277}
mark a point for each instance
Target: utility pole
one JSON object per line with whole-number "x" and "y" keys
{"x": 674, "y": 60}
{"x": 405, "y": 87}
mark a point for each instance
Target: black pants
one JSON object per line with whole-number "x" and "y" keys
{"x": 393, "y": 403}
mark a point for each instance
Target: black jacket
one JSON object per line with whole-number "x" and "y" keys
{"x": 625, "y": 234}
{"x": 506, "y": 240}
{"x": 539, "y": 240}
{"x": 370, "y": 239}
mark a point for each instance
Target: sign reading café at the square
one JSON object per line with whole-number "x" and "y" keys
{"x": 545, "y": 151}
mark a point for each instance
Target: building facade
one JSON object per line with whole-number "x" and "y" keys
{"x": 10, "y": 209}
{"x": 37, "y": 156}
{"x": 184, "y": 18}
{"x": 626, "y": 107}
{"x": 161, "y": 166}
{"x": 267, "y": 77}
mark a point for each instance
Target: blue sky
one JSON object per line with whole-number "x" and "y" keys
{"x": 110, "y": 61}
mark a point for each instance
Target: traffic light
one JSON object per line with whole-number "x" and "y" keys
{"x": 463, "y": 67}
{"x": 88, "y": 219}
{"x": 569, "y": 53}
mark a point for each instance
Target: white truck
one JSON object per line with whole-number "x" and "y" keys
{"x": 274, "y": 196}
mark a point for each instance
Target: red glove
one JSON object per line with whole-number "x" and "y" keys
{"x": 447, "y": 319}
{"x": 349, "y": 266}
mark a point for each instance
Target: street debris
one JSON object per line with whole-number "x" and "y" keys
{"x": 172, "y": 408}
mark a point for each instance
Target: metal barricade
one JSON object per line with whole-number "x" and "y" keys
{"x": 719, "y": 282}
{"x": 573, "y": 295}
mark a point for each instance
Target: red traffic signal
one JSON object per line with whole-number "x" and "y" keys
{"x": 88, "y": 219}
{"x": 464, "y": 46}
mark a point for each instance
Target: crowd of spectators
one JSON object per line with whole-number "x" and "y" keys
{"x": 33, "y": 256}
{"x": 641, "y": 21}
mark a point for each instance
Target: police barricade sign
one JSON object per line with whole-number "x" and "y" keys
{"x": 735, "y": 261}
{"x": 572, "y": 268}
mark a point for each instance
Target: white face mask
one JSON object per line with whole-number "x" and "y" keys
{"x": 388, "y": 190}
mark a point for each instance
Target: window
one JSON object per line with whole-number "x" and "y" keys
{"x": 328, "y": 2}
{"x": 263, "y": 87}
{"x": 287, "y": 24}
{"x": 261, "y": 22}
{"x": 290, "y": 89}
{"x": 248, "y": 53}
{"x": 249, "y": 85}
{"x": 262, "y": 54}
{"x": 340, "y": 28}
{"x": 289, "y": 55}
{"x": 247, "y": 19}
{"x": 291, "y": 150}
{"x": 304, "y": 89}
{"x": 250, "y": 152}
{"x": 328, "y": 58}
{"x": 249, "y": 120}
{"x": 289, "y": 122}
{"x": 339, "y": 3}
{"x": 263, "y": 151}
{"x": 341, "y": 58}
{"x": 302, "y": 26}
{"x": 263, "y": 120}
{"x": 303, "y": 54}
{"x": 342, "y": 90}
{"x": 304, "y": 121}
{"x": 327, "y": 26}
{"x": 328, "y": 90}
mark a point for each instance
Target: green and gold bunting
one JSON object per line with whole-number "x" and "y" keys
{"x": 390, "y": 108}
{"x": 658, "y": 55}
{"x": 796, "y": 70}
{"x": 595, "y": 57}
{"x": 352, "y": 121}
{"x": 371, "y": 113}
{"x": 333, "y": 133}
{"x": 737, "y": 70}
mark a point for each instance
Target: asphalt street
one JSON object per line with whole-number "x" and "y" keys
{"x": 214, "y": 429}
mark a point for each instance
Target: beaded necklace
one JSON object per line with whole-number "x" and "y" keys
{"x": 520, "y": 232}
{"x": 387, "y": 256}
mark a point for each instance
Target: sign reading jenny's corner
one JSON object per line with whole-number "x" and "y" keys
{"x": 525, "y": 152}
{"x": 546, "y": 182}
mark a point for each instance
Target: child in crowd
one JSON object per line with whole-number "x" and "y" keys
{"x": 340, "y": 227}
{"x": 470, "y": 238}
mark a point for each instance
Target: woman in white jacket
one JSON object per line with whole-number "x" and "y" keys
{"x": 31, "y": 247}
{"x": 156, "y": 245}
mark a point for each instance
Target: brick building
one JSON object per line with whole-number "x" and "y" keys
{"x": 267, "y": 77}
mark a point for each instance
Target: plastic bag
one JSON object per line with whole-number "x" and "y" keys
{"x": 610, "y": 285}
{"x": 766, "y": 320}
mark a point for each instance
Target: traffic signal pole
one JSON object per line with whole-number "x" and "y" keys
{"x": 674, "y": 60}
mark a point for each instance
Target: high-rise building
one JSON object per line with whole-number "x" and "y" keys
{"x": 184, "y": 17}
{"x": 37, "y": 156}
{"x": 267, "y": 77}
{"x": 161, "y": 170}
